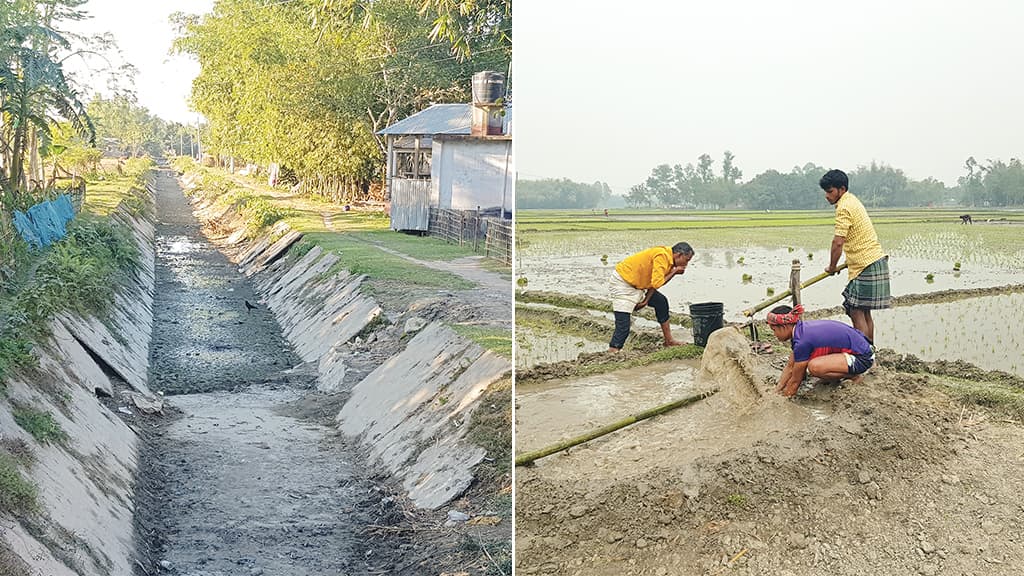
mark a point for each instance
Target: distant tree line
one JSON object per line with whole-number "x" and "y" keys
{"x": 561, "y": 193}
{"x": 992, "y": 183}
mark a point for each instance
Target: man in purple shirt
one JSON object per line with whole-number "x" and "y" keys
{"x": 823, "y": 348}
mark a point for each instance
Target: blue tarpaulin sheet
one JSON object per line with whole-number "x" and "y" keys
{"x": 46, "y": 222}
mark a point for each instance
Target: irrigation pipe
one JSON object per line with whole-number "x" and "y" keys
{"x": 773, "y": 300}
{"x": 529, "y": 457}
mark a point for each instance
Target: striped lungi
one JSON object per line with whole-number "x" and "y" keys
{"x": 870, "y": 289}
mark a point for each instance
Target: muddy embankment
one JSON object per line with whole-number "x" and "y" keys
{"x": 92, "y": 373}
{"x": 892, "y": 475}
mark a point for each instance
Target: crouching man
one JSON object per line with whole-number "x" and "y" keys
{"x": 826, "y": 349}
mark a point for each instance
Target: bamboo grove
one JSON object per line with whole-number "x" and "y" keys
{"x": 306, "y": 84}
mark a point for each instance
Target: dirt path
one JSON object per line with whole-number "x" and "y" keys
{"x": 492, "y": 298}
{"x": 238, "y": 486}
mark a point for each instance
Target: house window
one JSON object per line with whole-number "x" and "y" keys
{"x": 404, "y": 164}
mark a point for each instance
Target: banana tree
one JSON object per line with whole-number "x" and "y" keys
{"x": 35, "y": 94}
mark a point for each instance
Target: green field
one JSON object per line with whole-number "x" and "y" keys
{"x": 924, "y": 233}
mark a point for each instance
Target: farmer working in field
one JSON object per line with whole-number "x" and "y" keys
{"x": 868, "y": 288}
{"x": 823, "y": 348}
{"x": 635, "y": 282}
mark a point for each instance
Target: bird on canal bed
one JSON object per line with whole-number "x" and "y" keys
{"x": 249, "y": 306}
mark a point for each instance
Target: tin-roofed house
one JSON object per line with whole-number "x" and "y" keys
{"x": 452, "y": 157}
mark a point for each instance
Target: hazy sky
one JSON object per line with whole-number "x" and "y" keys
{"x": 607, "y": 90}
{"x": 144, "y": 36}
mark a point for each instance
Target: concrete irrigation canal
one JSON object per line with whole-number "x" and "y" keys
{"x": 240, "y": 487}
{"x": 249, "y": 407}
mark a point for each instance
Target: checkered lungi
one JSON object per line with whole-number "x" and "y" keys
{"x": 870, "y": 289}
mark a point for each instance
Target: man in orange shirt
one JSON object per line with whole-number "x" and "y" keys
{"x": 635, "y": 282}
{"x": 868, "y": 265}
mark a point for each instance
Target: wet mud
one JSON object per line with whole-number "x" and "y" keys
{"x": 563, "y": 409}
{"x": 205, "y": 337}
{"x": 889, "y": 475}
{"x": 233, "y": 482}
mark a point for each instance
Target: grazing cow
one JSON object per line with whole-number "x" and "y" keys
{"x": 966, "y": 219}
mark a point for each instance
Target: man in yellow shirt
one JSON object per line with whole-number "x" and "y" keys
{"x": 855, "y": 236}
{"x": 635, "y": 282}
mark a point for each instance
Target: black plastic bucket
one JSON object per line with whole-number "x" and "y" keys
{"x": 706, "y": 317}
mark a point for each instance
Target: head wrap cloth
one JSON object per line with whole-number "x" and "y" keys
{"x": 791, "y": 317}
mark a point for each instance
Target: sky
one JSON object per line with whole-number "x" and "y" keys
{"x": 144, "y": 35}
{"x": 607, "y": 90}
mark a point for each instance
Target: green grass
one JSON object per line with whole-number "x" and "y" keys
{"x": 497, "y": 340}
{"x": 79, "y": 273}
{"x": 15, "y": 353}
{"x": 41, "y": 425}
{"x": 105, "y": 190}
{"x": 356, "y": 236}
{"x": 17, "y": 495}
{"x": 419, "y": 247}
{"x": 736, "y": 500}
{"x": 918, "y": 233}
{"x": 685, "y": 352}
{"x": 1003, "y": 398}
{"x": 581, "y": 302}
{"x": 361, "y": 257}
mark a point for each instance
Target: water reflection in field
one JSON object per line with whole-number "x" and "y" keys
{"x": 718, "y": 275}
{"x": 985, "y": 331}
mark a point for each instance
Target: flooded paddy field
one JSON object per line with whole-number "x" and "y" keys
{"x": 743, "y": 259}
{"x": 740, "y": 266}
{"x": 987, "y": 331}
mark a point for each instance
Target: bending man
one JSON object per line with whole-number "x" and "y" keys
{"x": 868, "y": 266}
{"x": 635, "y": 282}
{"x": 823, "y": 348}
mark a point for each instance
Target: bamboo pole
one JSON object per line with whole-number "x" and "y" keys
{"x": 776, "y": 298}
{"x": 529, "y": 457}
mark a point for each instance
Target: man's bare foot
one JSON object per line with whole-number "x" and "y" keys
{"x": 670, "y": 343}
{"x": 856, "y": 379}
{"x": 613, "y": 350}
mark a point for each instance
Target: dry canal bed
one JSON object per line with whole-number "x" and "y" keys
{"x": 235, "y": 483}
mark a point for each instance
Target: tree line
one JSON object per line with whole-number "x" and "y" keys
{"x": 307, "y": 84}
{"x": 561, "y": 193}
{"x": 700, "y": 186}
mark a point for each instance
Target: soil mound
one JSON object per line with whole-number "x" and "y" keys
{"x": 889, "y": 476}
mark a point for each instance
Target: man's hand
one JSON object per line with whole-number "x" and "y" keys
{"x": 679, "y": 269}
{"x": 790, "y": 391}
{"x": 832, "y": 270}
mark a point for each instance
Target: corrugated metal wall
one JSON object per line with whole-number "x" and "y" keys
{"x": 410, "y": 204}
